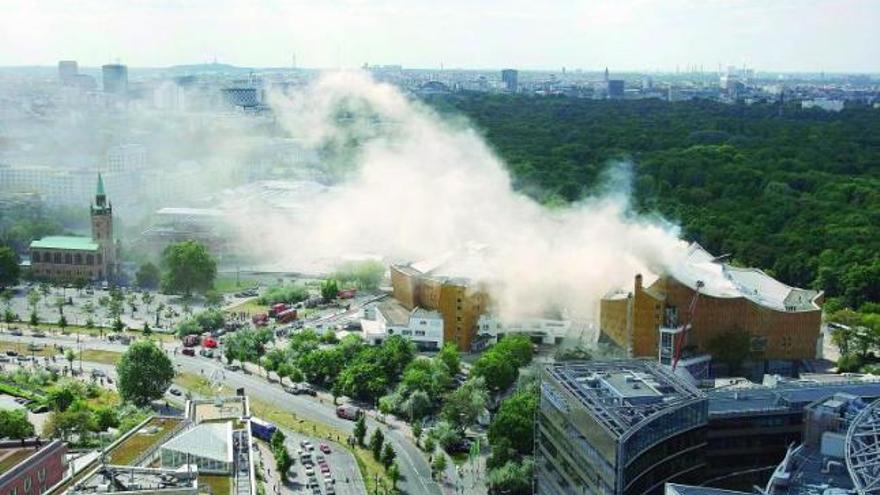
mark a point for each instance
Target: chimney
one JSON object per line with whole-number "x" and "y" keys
{"x": 638, "y": 282}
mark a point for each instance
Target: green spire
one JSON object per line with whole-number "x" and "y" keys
{"x": 100, "y": 191}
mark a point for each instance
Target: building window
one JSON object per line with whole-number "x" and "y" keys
{"x": 58, "y": 258}
{"x": 420, "y": 333}
{"x": 90, "y": 259}
{"x": 68, "y": 259}
{"x": 27, "y": 484}
{"x": 78, "y": 258}
{"x": 100, "y": 259}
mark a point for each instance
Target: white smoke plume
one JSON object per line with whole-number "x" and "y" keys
{"x": 422, "y": 186}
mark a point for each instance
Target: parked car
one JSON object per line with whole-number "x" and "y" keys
{"x": 208, "y": 353}
{"x": 15, "y": 332}
{"x": 175, "y": 391}
{"x": 188, "y": 351}
{"x": 307, "y": 445}
{"x": 39, "y": 334}
{"x": 325, "y": 448}
{"x": 232, "y": 367}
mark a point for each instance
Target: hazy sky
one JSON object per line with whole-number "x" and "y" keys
{"x": 788, "y": 35}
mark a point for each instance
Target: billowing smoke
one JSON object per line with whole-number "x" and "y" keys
{"x": 417, "y": 186}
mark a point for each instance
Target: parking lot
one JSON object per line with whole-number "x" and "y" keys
{"x": 324, "y": 468}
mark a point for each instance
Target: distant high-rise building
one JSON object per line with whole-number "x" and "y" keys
{"x": 615, "y": 89}
{"x": 115, "y": 78}
{"x": 67, "y": 72}
{"x": 510, "y": 78}
{"x": 606, "y": 75}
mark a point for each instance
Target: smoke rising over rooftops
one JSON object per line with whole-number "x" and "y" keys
{"x": 417, "y": 186}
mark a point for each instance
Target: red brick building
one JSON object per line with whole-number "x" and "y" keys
{"x": 31, "y": 467}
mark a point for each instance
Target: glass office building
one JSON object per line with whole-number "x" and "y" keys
{"x": 617, "y": 427}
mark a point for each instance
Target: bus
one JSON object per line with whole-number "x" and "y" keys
{"x": 262, "y": 429}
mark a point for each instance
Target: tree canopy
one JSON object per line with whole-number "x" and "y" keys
{"x": 189, "y": 267}
{"x": 793, "y": 191}
{"x": 9, "y": 270}
{"x": 143, "y": 373}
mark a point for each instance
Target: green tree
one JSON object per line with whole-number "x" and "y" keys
{"x": 360, "y": 430}
{"x": 329, "y": 289}
{"x": 388, "y": 456}
{"x": 147, "y": 276}
{"x": 33, "y": 299}
{"x": 463, "y": 406}
{"x": 514, "y": 422}
{"x": 15, "y": 424}
{"x": 277, "y": 440}
{"x": 377, "y": 439}
{"x": 450, "y": 356}
{"x": 438, "y": 466}
{"x": 88, "y": 308}
{"x": 143, "y": 373}
{"x": 189, "y": 267}
{"x": 283, "y": 461}
{"x": 514, "y": 478}
{"x": 393, "y": 474}
{"x": 496, "y": 368}
{"x": 213, "y": 299}
{"x": 9, "y": 270}
{"x": 70, "y": 355}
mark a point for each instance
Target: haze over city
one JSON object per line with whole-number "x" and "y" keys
{"x": 632, "y": 35}
{"x": 440, "y": 248}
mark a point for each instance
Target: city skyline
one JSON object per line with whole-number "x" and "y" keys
{"x": 633, "y": 35}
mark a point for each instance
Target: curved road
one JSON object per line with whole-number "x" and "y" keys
{"x": 414, "y": 468}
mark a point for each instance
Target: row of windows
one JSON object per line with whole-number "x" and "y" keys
{"x": 67, "y": 258}
{"x": 29, "y": 482}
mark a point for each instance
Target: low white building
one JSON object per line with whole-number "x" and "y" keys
{"x": 423, "y": 327}
{"x": 546, "y": 331}
{"x": 826, "y": 104}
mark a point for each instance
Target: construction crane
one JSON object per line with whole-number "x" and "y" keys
{"x": 679, "y": 340}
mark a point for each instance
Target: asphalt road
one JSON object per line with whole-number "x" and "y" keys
{"x": 414, "y": 468}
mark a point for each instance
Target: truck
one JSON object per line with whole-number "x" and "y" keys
{"x": 262, "y": 429}
{"x": 349, "y": 412}
{"x": 260, "y": 319}
{"x": 346, "y": 293}
{"x": 286, "y": 316}
{"x": 191, "y": 341}
{"x": 276, "y": 309}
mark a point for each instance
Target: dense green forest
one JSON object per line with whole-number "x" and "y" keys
{"x": 795, "y": 192}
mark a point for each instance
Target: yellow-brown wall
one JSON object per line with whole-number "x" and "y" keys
{"x": 460, "y": 305}
{"x": 404, "y": 287}
{"x": 633, "y": 323}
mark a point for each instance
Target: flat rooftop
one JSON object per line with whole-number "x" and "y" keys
{"x": 218, "y": 409}
{"x": 128, "y": 479}
{"x": 788, "y": 396}
{"x": 394, "y": 312}
{"x": 622, "y": 394}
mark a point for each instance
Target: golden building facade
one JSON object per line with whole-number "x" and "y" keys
{"x": 782, "y": 322}
{"x": 457, "y": 300}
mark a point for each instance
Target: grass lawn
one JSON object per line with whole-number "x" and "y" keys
{"x": 99, "y": 356}
{"x": 138, "y": 442}
{"x": 250, "y": 307}
{"x": 14, "y": 458}
{"x": 217, "y": 485}
{"x": 23, "y": 349}
{"x": 225, "y": 284}
{"x": 198, "y": 385}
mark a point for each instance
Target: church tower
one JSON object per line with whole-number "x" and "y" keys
{"x": 102, "y": 231}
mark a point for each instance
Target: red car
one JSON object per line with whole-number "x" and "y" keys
{"x": 209, "y": 342}
{"x": 325, "y": 448}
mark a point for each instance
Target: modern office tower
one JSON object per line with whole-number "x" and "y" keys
{"x": 115, "y": 78}
{"x": 510, "y": 78}
{"x": 617, "y": 427}
{"x": 67, "y": 72}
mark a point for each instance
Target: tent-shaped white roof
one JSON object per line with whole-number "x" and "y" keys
{"x": 207, "y": 440}
{"x": 726, "y": 281}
